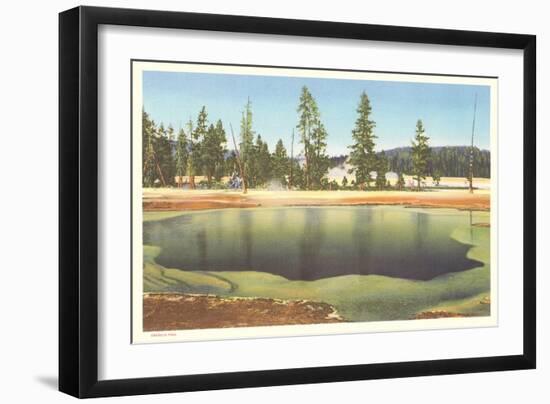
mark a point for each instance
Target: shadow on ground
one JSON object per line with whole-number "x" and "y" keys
{"x": 48, "y": 381}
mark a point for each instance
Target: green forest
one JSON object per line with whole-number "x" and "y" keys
{"x": 207, "y": 148}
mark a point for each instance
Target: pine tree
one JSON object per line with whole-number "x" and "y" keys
{"x": 197, "y": 136}
{"x": 298, "y": 175}
{"x": 313, "y": 136}
{"x": 170, "y": 133}
{"x": 381, "y": 170}
{"x": 308, "y": 119}
{"x": 191, "y": 157}
{"x": 344, "y": 182}
{"x": 400, "y": 181}
{"x": 231, "y": 164}
{"x": 280, "y": 162}
{"x": 262, "y": 162}
{"x": 164, "y": 156}
{"x": 149, "y": 165}
{"x": 220, "y": 150}
{"x": 319, "y": 160}
{"x": 247, "y": 145}
{"x": 362, "y": 155}
{"x": 436, "y": 176}
{"x": 182, "y": 154}
{"x": 213, "y": 151}
{"x": 208, "y": 154}
{"x": 420, "y": 154}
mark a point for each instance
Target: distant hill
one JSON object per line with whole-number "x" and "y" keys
{"x": 449, "y": 161}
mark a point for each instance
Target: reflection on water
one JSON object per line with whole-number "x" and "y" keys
{"x": 307, "y": 243}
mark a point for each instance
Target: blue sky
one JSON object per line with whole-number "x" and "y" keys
{"x": 446, "y": 109}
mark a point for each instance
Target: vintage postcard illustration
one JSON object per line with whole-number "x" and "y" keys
{"x": 290, "y": 201}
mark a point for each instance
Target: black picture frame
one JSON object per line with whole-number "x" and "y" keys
{"x": 78, "y": 200}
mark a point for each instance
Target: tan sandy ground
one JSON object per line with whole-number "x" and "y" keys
{"x": 172, "y": 199}
{"x": 173, "y": 311}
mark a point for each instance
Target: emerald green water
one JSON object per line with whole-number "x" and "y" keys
{"x": 307, "y": 243}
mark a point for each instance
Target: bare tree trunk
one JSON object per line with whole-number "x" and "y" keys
{"x": 160, "y": 174}
{"x": 306, "y": 147}
{"x": 306, "y": 167}
{"x": 290, "y": 182}
{"x": 471, "y": 173}
{"x": 238, "y": 155}
{"x": 190, "y": 174}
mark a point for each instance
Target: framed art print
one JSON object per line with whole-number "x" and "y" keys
{"x": 249, "y": 201}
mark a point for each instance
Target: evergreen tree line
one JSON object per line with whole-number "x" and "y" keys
{"x": 201, "y": 149}
{"x": 451, "y": 161}
{"x": 198, "y": 150}
{"x": 448, "y": 161}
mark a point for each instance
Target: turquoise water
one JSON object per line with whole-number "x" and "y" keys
{"x": 307, "y": 243}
